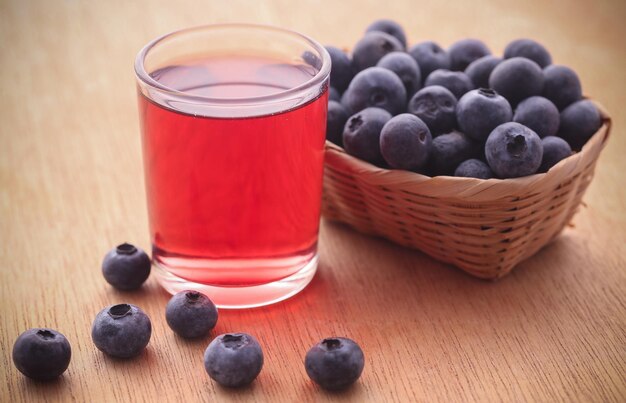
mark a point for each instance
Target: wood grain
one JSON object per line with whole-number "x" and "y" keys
{"x": 71, "y": 187}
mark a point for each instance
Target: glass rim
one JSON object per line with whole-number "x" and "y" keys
{"x": 144, "y": 77}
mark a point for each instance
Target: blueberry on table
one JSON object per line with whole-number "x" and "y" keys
{"x": 430, "y": 57}
{"x": 539, "y": 114}
{"x": 126, "y": 267}
{"x": 516, "y": 79}
{"x": 561, "y": 86}
{"x": 473, "y": 168}
{"x": 361, "y": 134}
{"x": 480, "y": 69}
{"x": 436, "y": 106}
{"x": 191, "y": 314}
{"x": 335, "y": 122}
{"x": 448, "y": 151}
{"x": 233, "y": 359}
{"x": 579, "y": 122}
{"x": 406, "y": 69}
{"x": 513, "y": 150}
{"x": 529, "y": 49}
{"x": 465, "y": 51}
{"x": 341, "y": 70}
{"x": 121, "y": 330}
{"x": 480, "y": 111}
{"x": 555, "y": 149}
{"x": 405, "y": 142}
{"x": 389, "y": 27}
{"x": 371, "y": 48}
{"x": 456, "y": 81}
{"x": 334, "y": 363}
{"x": 42, "y": 354}
{"x": 378, "y": 87}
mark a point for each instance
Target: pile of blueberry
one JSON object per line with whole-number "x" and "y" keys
{"x": 461, "y": 112}
{"x": 124, "y": 330}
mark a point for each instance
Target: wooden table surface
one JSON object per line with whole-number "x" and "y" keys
{"x": 71, "y": 187}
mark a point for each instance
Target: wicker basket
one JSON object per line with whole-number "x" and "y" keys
{"x": 485, "y": 227}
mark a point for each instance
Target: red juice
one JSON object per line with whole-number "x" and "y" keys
{"x": 233, "y": 201}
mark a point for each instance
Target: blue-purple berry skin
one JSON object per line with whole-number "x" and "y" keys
{"x": 480, "y": 111}
{"x": 473, "y": 168}
{"x": 456, "y": 81}
{"x": 389, "y": 27}
{"x": 555, "y": 149}
{"x": 361, "y": 134}
{"x": 539, "y": 114}
{"x": 121, "y": 330}
{"x": 448, "y": 151}
{"x": 334, "y": 94}
{"x": 579, "y": 122}
{"x": 516, "y": 79}
{"x": 42, "y": 354}
{"x": 191, "y": 314}
{"x": 406, "y": 69}
{"x": 341, "y": 70}
{"x": 436, "y": 106}
{"x": 430, "y": 57}
{"x": 126, "y": 267}
{"x": 513, "y": 150}
{"x": 335, "y": 122}
{"x": 561, "y": 86}
{"x": 405, "y": 142}
{"x": 376, "y": 87}
{"x": 335, "y": 363}
{"x": 529, "y": 49}
{"x": 371, "y": 48}
{"x": 480, "y": 69}
{"x": 233, "y": 359}
{"x": 465, "y": 51}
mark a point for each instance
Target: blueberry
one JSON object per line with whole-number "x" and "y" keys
{"x": 405, "y": 142}
{"x": 126, "y": 267}
{"x": 389, "y": 27}
{"x": 579, "y": 122}
{"x": 473, "y": 168}
{"x": 554, "y": 150}
{"x": 191, "y": 314}
{"x": 334, "y": 94}
{"x": 406, "y": 68}
{"x": 121, "y": 330}
{"x": 233, "y": 359}
{"x": 361, "y": 134}
{"x": 480, "y": 111}
{"x": 538, "y": 114}
{"x": 561, "y": 86}
{"x": 436, "y": 106}
{"x": 371, "y": 48}
{"x": 42, "y": 354}
{"x": 448, "y": 151}
{"x": 335, "y": 122}
{"x": 516, "y": 79}
{"x": 456, "y": 81}
{"x": 376, "y": 86}
{"x": 513, "y": 150}
{"x": 430, "y": 57}
{"x": 530, "y": 50}
{"x": 465, "y": 51}
{"x": 334, "y": 363}
{"x": 341, "y": 71}
{"x": 480, "y": 69}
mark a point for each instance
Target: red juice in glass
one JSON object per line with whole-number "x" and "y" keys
{"x": 233, "y": 144}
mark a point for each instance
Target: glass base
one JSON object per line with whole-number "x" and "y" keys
{"x": 233, "y": 297}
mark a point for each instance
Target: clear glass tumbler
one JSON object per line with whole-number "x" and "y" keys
{"x": 233, "y": 122}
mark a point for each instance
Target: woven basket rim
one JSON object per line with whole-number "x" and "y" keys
{"x": 473, "y": 189}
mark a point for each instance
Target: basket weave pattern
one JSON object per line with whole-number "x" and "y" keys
{"x": 484, "y": 227}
